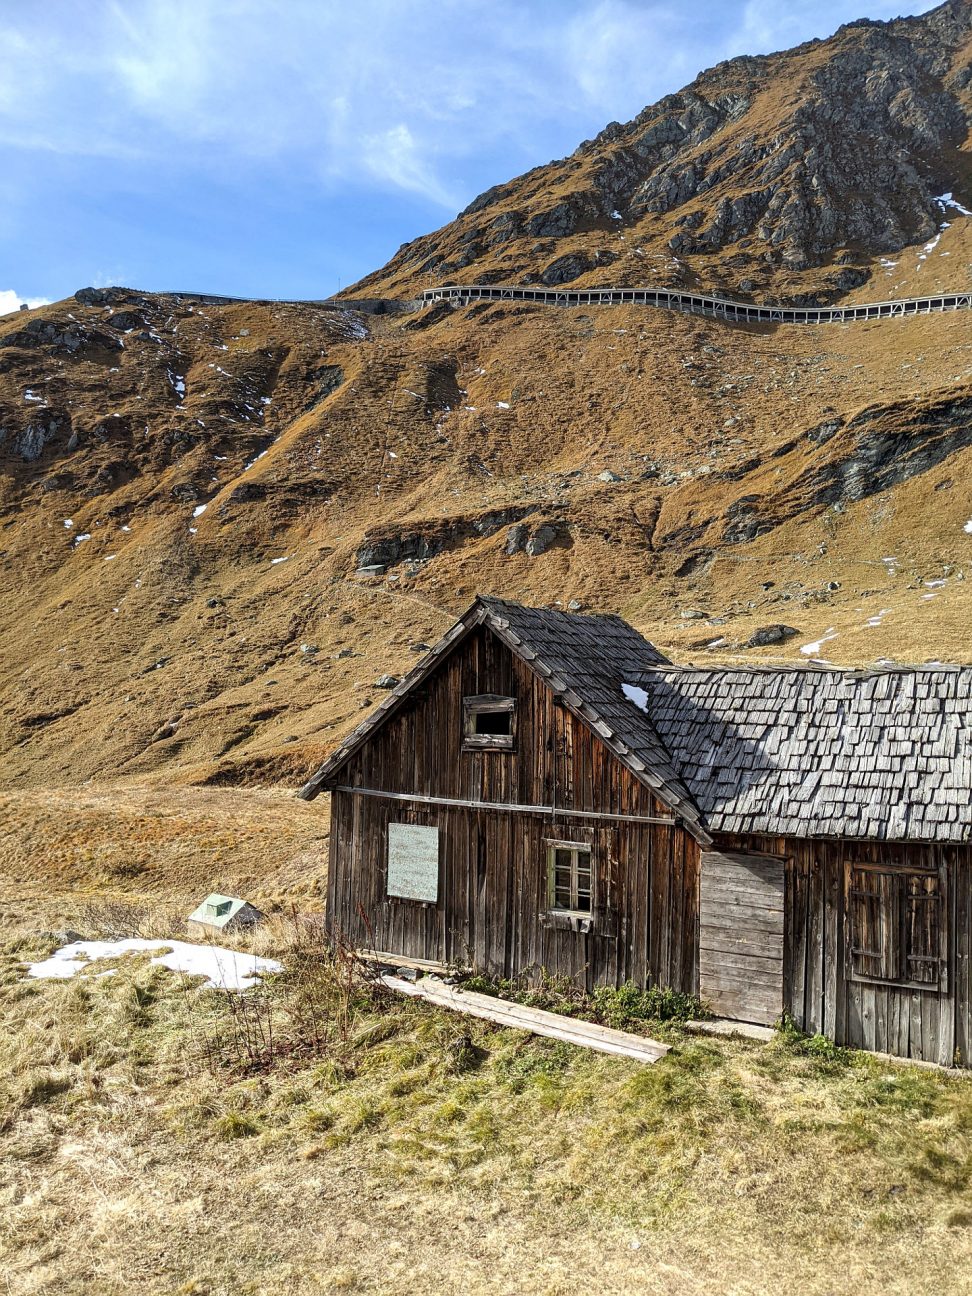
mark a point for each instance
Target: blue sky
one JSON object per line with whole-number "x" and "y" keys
{"x": 284, "y": 147}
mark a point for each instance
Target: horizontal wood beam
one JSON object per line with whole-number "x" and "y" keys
{"x": 509, "y": 807}
{"x": 403, "y": 961}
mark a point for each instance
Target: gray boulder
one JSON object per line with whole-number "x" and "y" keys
{"x": 541, "y": 540}
{"x": 770, "y": 634}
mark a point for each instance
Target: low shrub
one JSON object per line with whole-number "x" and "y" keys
{"x": 627, "y": 1007}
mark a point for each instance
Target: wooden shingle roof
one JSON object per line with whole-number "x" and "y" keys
{"x": 584, "y": 660}
{"x": 882, "y": 754}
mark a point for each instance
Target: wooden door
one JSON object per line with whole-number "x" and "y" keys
{"x": 741, "y": 936}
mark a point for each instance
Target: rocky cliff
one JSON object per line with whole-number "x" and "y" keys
{"x": 781, "y": 177}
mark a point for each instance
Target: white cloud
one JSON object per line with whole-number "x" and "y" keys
{"x": 767, "y": 25}
{"x": 395, "y": 156}
{"x": 406, "y": 98}
{"x": 617, "y": 48}
{"x": 11, "y": 301}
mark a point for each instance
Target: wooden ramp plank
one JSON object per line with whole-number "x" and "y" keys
{"x": 402, "y": 961}
{"x": 536, "y": 1020}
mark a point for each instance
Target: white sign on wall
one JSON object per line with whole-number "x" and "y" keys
{"x": 413, "y": 862}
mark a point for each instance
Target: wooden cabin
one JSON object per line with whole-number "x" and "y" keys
{"x": 547, "y": 791}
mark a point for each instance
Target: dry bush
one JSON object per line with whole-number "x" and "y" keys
{"x": 303, "y": 1013}
{"x": 113, "y": 919}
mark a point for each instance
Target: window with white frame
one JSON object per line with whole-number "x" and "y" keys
{"x": 570, "y": 880}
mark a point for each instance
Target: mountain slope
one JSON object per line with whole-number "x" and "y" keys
{"x": 779, "y": 177}
{"x": 814, "y": 477}
{"x": 221, "y": 525}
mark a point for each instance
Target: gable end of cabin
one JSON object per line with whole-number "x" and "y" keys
{"x": 485, "y": 823}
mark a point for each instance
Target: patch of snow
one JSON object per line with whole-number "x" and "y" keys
{"x": 80, "y": 539}
{"x": 223, "y": 969}
{"x": 32, "y": 396}
{"x": 968, "y": 527}
{"x": 935, "y": 584}
{"x": 946, "y": 200}
{"x": 616, "y": 215}
{"x": 636, "y": 695}
{"x": 274, "y": 561}
{"x": 69, "y": 522}
{"x": 502, "y": 404}
{"x": 199, "y": 510}
{"x": 126, "y": 528}
{"x": 193, "y": 530}
{"x": 813, "y": 649}
{"x": 110, "y": 557}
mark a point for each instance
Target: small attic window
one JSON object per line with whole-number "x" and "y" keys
{"x": 489, "y": 723}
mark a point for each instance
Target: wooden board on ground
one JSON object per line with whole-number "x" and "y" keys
{"x": 722, "y": 1027}
{"x": 536, "y": 1020}
{"x": 403, "y": 961}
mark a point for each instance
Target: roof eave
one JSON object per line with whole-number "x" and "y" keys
{"x": 684, "y": 811}
{"x": 318, "y": 782}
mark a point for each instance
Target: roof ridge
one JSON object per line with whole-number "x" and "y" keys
{"x": 580, "y": 613}
{"x": 807, "y": 668}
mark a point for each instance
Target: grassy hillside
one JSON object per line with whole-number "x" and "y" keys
{"x": 221, "y": 526}
{"x": 185, "y": 580}
{"x": 154, "y": 1137}
{"x": 796, "y": 176}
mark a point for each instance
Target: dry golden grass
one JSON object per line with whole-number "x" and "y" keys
{"x": 204, "y": 634}
{"x": 150, "y": 849}
{"x": 415, "y": 1150}
{"x": 636, "y": 251}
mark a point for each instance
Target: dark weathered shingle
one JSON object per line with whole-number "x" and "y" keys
{"x": 882, "y": 755}
{"x": 885, "y": 754}
{"x": 584, "y": 660}
{"x": 588, "y": 658}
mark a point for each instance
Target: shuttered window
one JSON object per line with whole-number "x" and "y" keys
{"x": 896, "y": 926}
{"x": 569, "y": 877}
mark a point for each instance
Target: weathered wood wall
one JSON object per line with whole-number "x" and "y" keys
{"x": 492, "y": 899}
{"x": 492, "y": 906}
{"x": 819, "y": 993}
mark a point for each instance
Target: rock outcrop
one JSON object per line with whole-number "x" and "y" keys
{"x": 817, "y": 158}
